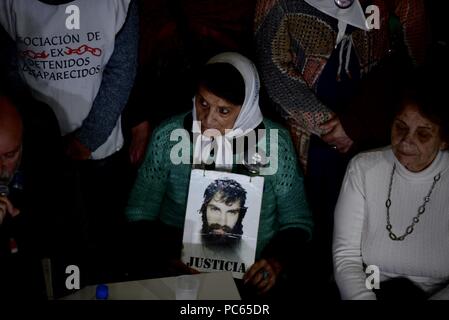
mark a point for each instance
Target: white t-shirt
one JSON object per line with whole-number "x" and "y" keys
{"x": 360, "y": 234}
{"x": 63, "y": 67}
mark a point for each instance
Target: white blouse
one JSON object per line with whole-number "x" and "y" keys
{"x": 360, "y": 234}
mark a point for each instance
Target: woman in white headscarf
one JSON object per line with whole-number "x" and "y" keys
{"x": 241, "y": 117}
{"x": 226, "y": 108}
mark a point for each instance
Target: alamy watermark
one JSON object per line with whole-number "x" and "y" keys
{"x": 72, "y": 281}
{"x": 73, "y": 20}
{"x": 253, "y": 151}
{"x": 373, "y": 19}
{"x": 373, "y": 279}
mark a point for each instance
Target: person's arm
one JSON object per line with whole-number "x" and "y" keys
{"x": 348, "y": 225}
{"x": 116, "y": 85}
{"x": 284, "y": 83}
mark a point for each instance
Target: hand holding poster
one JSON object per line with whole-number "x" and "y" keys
{"x": 222, "y": 221}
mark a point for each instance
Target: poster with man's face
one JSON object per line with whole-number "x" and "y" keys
{"x": 222, "y": 221}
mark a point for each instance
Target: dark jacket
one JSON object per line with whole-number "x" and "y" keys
{"x": 37, "y": 190}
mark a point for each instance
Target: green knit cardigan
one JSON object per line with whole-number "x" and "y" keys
{"x": 161, "y": 188}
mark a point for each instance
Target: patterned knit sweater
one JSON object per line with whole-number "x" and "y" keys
{"x": 161, "y": 188}
{"x": 294, "y": 42}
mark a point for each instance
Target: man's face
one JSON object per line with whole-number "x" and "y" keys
{"x": 222, "y": 217}
{"x": 223, "y": 224}
{"x": 10, "y": 154}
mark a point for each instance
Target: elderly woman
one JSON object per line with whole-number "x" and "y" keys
{"x": 391, "y": 215}
{"x": 227, "y": 100}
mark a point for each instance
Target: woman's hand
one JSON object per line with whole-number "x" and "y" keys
{"x": 263, "y": 275}
{"x": 6, "y": 207}
{"x": 335, "y": 135}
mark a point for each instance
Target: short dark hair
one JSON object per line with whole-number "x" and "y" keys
{"x": 224, "y": 81}
{"x": 231, "y": 190}
{"x": 426, "y": 90}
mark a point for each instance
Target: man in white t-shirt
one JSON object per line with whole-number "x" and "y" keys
{"x": 80, "y": 58}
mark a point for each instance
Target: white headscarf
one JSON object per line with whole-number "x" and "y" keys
{"x": 248, "y": 119}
